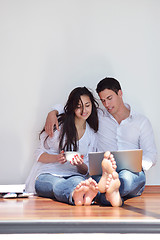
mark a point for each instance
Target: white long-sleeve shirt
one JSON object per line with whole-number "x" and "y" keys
{"x": 135, "y": 132}
{"x": 85, "y": 145}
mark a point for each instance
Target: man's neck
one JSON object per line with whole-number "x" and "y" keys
{"x": 122, "y": 114}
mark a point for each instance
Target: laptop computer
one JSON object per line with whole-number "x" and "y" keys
{"x": 125, "y": 159}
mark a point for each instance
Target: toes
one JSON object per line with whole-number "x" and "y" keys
{"x": 107, "y": 186}
{"x": 80, "y": 184}
{"x": 108, "y": 181}
{"x": 111, "y": 156}
{"x": 107, "y": 154}
{"x": 115, "y": 175}
{"x": 92, "y": 182}
{"x": 113, "y": 161}
{"x": 109, "y": 176}
{"x": 87, "y": 182}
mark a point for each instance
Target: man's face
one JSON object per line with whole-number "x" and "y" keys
{"x": 111, "y": 101}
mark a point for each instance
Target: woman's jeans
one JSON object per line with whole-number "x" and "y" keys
{"x": 132, "y": 185}
{"x": 60, "y": 188}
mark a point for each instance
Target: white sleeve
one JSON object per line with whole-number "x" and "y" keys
{"x": 59, "y": 108}
{"x": 92, "y": 139}
{"x": 42, "y": 148}
{"x": 30, "y": 181}
{"x": 147, "y": 143}
{"x": 93, "y": 144}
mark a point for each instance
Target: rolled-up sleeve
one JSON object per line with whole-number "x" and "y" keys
{"x": 147, "y": 143}
{"x": 41, "y": 148}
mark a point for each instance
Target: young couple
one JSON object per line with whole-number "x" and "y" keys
{"x": 83, "y": 127}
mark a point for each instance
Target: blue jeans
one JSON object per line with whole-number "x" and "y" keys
{"x": 132, "y": 185}
{"x": 60, "y": 188}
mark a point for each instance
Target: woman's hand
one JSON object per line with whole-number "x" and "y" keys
{"x": 61, "y": 158}
{"x": 79, "y": 163}
{"x": 77, "y": 160}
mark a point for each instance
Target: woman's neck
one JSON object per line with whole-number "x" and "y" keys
{"x": 80, "y": 126}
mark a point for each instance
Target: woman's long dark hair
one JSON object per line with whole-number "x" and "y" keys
{"x": 68, "y": 134}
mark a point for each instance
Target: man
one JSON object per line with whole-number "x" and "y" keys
{"x": 120, "y": 128}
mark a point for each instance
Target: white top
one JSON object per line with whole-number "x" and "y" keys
{"x": 85, "y": 145}
{"x": 135, "y": 132}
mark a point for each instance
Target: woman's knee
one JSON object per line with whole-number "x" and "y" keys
{"x": 75, "y": 180}
{"x": 44, "y": 189}
{"x": 44, "y": 185}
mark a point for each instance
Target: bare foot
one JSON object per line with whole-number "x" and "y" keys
{"x": 112, "y": 190}
{"x": 108, "y": 166}
{"x": 91, "y": 193}
{"x": 79, "y": 191}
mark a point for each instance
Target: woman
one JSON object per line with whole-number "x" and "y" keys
{"x": 52, "y": 175}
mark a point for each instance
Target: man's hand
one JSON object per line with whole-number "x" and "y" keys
{"x": 50, "y": 122}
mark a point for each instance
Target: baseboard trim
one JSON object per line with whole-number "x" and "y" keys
{"x": 152, "y": 189}
{"x": 80, "y": 226}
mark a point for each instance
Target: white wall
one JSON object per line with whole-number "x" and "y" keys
{"x": 48, "y": 47}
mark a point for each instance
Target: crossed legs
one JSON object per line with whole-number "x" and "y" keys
{"x": 82, "y": 191}
{"x": 74, "y": 190}
{"x": 109, "y": 184}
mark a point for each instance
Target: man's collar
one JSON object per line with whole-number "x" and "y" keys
{"x": 131, "y": 115}
{"x": 132, "y": 112}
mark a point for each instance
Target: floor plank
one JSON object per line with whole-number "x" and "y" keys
{"x": 142, "y": 213}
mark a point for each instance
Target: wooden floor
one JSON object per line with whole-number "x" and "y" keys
{"x": 41, "y": 215}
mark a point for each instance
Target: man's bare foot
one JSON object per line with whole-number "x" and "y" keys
{"x": 108, "y": 166}
{"x": 91, "y": 193}
{"x": 79, "y": 192}
{"x": 112, "y": 190}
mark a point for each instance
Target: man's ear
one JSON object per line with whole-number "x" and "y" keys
{"x": 120, "y": 94}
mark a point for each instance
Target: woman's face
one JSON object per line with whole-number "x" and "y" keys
{"x": 84, "y": 108}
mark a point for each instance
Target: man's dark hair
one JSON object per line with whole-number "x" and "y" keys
{"x": 108, "y": 83}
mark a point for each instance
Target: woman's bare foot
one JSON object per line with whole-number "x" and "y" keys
{"x": 112, "y": 190}
{"x": 108, "y": 166}
{"x": 91, "y": 193}
{"x": 79, "y": 192}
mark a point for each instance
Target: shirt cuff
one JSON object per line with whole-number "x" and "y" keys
{"x": 59, "y": 108}
{"x": 146, "y": 164}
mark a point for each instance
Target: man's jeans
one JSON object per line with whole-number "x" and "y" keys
{"x": 61, "y": 188}
{"x": 132, "y": 185}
